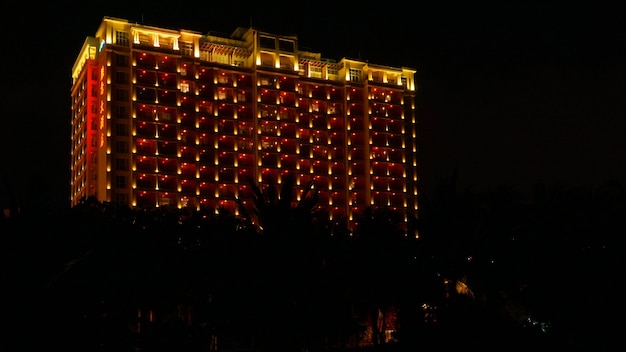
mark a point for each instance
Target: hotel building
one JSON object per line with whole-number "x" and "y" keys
{"x": 175, "y": 117}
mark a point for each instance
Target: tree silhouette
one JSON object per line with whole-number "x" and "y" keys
{"x": 276, "y": 210}
{"x": 542, "y": 271}
{"x": 383, "y": 263}
{"x": 292, "y": 230}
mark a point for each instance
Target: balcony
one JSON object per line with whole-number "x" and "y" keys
{"x": 226, "y": 159}
{"x": 188, "y": 120}
{"x": 168, "y": 166}
{"x": 226, "y": 175}
{"x": 188, "y": 187}
{"x": 287, "y": 99}
{"x": 188, "y": 169}
{"x": 146, "y": 95}
{"x": 320, "y": 167}
{"x": 146, "y": 182}
{"x": 166, "y": 63}
{"x": 167, "y": 80}
{"x": 145, "y": 147}
{"x": 244, "y": 113}
{"x": 244, "y": 81}
{"x": 288, "y": 146}
{"x": 245, "y": 160}
{"x": 146, "y": 77}
{"x": 146, "y": 164}
{"x": 287, "y": 83}
{"x": 188, "y": 104}
{"x": 336, "y": 94}
{"x": 169, "y": 148}
{"x": 288, "y": 162}
{"x": 188, "y": 153}
{"x": 146, "y": 130}
{"x": 269, "y": 160}
{"x": 167, "y": 96}
{"x": 207, "y": 173}
{"x": 205, "y": 91}
{"x": 268, "y": 96}
{"x": 145, "y": 60}
{"x": 205, "y": 75}
{"x": 168, "y": 183}
{"x": 169, "y": 132}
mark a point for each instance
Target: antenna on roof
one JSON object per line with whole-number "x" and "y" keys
{"x": 250, "y": 21}
{"x": 142, "y": 18}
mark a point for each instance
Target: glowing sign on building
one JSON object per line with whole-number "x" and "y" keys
{"x": 102, "y": 108}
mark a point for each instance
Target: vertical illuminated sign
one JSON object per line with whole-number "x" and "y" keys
{"x": 102, "y": 106}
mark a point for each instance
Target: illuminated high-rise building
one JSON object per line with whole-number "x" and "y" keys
{"x": 174, "y": 117}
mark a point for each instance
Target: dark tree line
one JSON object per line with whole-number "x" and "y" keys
{"x": 543, "y": 271}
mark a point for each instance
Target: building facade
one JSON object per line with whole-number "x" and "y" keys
{"x": 164, "y": 117}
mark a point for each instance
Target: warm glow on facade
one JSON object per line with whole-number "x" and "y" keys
{"x": 162, "y": 117}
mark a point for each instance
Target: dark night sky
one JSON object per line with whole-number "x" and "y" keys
{"x": 509, "y": 94}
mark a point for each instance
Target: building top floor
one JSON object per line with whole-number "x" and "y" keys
{"x": 245, "y": 47}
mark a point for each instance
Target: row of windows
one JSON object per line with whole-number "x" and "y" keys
{"x": 188, "y": 182}
{"x": 387, "y": 175}
{"x": 243, "y": 81}
{"x": 166, "y": 81}
{"x": 213, "y": 199}
{"x": 164, "y": 63}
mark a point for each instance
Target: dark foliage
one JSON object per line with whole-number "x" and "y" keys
{"x": 486, "y": 267}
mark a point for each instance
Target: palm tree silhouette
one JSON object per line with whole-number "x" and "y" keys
{"x": 276, "y": 211}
